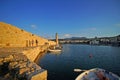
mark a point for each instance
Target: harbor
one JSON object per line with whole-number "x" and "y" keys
{"x": 36, "y": 58}
{"x": 60, "y": 40}
{"x": 79, "y": 56}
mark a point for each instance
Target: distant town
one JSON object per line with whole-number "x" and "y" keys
{"x": 111, "y": 41}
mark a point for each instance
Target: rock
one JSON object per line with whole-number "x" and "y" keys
{"x": 1, "y": 61}
{"x": 32, "y": 69}
{"x": 38, "y": 67}
{"x": 23, "y": 70}
{"x": 8, "y": 58}
{"x": 12, "y": 65}
{"x": 22, "y": 64}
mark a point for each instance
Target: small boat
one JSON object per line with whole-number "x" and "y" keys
{"x": 54, "y": 50}
{"x": 96, "y": 74}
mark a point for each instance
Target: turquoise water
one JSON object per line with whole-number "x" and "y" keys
{"x": 60, "y": 66}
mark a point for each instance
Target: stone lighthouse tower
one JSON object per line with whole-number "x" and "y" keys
{"x": 56, "y": 38}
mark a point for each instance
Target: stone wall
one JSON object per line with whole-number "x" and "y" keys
{"x": 11, "y": 36}
{"x": 34, "y": 52}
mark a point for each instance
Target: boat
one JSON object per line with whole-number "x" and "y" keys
{"x": 96, "y": 74}
{"x": 55, "y": 49}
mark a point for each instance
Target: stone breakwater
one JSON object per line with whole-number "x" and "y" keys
{"x": 18, "y": 64}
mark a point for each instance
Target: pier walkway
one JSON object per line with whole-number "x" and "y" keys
{"x": 17, "y": 63}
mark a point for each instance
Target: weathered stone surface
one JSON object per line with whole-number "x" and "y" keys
{"x": 32, "y": 69}
{"x": 38, "y": 75}
{"x": 22, "y": 64}
{"x": 24, "y": 70}
{"x": 1, "y": 61}
{"x": 20, "y": 67}
{"x": 12, "y": 65}
{"x": 8, "y": 58}
{"x": 12, "y": 36}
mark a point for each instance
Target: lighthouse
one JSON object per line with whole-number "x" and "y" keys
{"x": 56, "y": 38}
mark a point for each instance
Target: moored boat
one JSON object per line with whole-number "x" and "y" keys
{"x": 96, "y": 74}
{"x": 54, "y": 50}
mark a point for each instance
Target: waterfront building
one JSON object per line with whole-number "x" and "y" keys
{"x": 94, "y": 42}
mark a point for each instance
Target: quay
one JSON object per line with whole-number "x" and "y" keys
{"x": 18, "y": 51}
{"x": 19, "y": 63}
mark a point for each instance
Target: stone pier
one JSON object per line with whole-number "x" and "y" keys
{"x": 18, "y": 63}
{"x": 18, "y": 51}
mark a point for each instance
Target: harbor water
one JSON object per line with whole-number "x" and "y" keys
{"x": 60, "y": 66}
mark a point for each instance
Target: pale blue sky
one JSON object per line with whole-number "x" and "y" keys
{"x": 78, "y": 18}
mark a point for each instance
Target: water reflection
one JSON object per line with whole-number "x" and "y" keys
{"x": 40, "y": 56}
{"x": 55, "y": 53}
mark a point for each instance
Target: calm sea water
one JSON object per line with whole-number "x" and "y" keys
{"x": 60, "y": 66}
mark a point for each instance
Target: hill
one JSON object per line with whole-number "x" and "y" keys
{"x": 76, "y": 38}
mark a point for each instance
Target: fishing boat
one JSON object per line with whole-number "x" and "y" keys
{"x": 96, "y": 74}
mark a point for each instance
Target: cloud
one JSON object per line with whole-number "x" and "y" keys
{"x": 93, "y": 29}
{"x": 33, "y": 26}
{"x": 67, "y": 35}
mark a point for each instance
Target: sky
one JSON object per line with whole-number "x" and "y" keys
{"x": 69, "y": 18}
